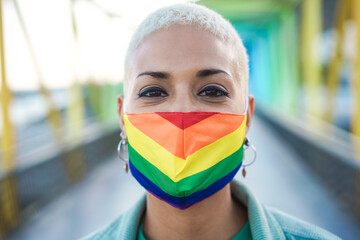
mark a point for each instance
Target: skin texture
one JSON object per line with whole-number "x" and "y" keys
{"x": 186, "y": 69}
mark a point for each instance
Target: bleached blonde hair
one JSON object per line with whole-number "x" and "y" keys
{"x": 196, "y": 15}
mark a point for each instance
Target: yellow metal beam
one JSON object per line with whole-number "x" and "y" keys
{"x": 355, "y": 120}
{"x": 356, "y": 71}
{"x": 334, "y": 66}
{"x": 75, "y": 114}
{"x": 76, "y": 108}
{"x": 8, "y": 131}
{"x": 54, "y": 115}
{"x": 8, "y": 198}
{"x": 311, "y": 64}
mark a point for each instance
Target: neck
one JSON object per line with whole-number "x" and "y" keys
{"x": 216, "y": 217}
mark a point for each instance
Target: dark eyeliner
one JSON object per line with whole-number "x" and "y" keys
{"x": 214, "y": 88}
{"x": 146, "y": 92}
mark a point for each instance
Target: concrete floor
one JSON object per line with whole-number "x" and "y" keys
{"x": 278, "y": 178}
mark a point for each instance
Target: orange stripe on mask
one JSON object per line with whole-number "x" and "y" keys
{"x": 211, "y": 130}
{"x": 171, "y": 137}
{"x": 159, "y": 130}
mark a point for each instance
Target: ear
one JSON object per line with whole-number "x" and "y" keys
{"x": 120, "y": 103}
{"x": 250, "y": 112}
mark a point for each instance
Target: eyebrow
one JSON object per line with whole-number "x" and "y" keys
{"x": 164, "y": 75}
{"x": 209, "y": 72}
{"x": 160, "y": 75}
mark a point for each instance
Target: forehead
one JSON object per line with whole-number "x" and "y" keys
{"x": 182, "y": 48}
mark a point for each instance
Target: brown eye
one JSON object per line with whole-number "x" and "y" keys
{"x": 213, "y": 91}
{"x": 153, "y": 92}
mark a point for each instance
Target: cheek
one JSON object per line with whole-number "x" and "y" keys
{"x": 129, "y": 97}
{"x": 238, "y": 100}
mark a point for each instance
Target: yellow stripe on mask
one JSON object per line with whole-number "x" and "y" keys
{"x": 210, "y": 154}
{"x": 177, "y": 168}
{"x": 158, "y": 156}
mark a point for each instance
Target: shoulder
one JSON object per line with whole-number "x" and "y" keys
{"x": 294, "y": 228}
{"x": 269, "y": 223}
{"x": 124, "y": 227}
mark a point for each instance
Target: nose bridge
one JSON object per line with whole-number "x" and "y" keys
{"x": 183, "y": 99}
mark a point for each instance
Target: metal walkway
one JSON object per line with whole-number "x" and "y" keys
{"x": 278, "y": 178}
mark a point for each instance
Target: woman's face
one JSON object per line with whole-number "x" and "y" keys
{"x": 184, "y": 69}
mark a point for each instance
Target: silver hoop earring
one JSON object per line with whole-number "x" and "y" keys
{"x": 123, "y": 153}
{"x": 248, "y": 144}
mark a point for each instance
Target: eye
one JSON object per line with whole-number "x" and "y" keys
{"x": 153, "y": 92}
{"x": 213, "y": 91}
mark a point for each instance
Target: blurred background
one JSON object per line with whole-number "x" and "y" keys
{"x": 61, "y": 71}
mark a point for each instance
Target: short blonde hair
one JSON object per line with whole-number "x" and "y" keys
{"x": 191, "y": 14}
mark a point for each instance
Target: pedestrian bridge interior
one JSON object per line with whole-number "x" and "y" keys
{"x": 60, "y": 176}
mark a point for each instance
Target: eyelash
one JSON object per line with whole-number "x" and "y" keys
{"x": 213, "y": 91}
{"x": 219, "y": 91}
{"x": 150, "y": 91}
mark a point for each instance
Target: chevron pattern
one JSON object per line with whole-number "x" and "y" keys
{"x": 182, "y": 157}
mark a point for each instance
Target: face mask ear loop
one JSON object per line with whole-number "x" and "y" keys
{"x": 246, "y": 106}
{"x": 247, "y": 142}
{"x": 124, "y": 105}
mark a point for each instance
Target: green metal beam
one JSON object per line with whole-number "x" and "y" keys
{"x": 248, "y": 10}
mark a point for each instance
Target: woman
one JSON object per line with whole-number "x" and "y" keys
{"x": 184, "y": 118}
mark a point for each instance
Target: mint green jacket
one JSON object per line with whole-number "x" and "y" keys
{"x": 265, "y": 223}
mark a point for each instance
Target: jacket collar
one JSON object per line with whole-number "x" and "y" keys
{"x": 262, "y": 224}
{"x": 128, "y": 226}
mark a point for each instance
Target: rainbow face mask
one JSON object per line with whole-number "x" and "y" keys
{"x": 184, "y": 157}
